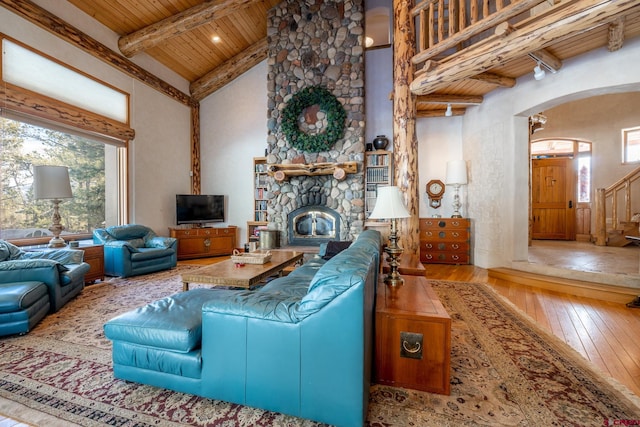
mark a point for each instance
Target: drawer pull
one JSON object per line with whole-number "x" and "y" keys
{"x": 455, "y": 246}
{"x": 456, "y": 257}
{"x": 429, "y": 233}
{"x": 428, "y": 246}
{"x": 207, "y": 242}
{"x": 412, "y": 350}
{"x": 455, "y": 234}
{"x": 456, "y": 223}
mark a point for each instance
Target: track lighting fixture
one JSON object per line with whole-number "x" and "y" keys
{"x": 448, "y": 113}
{"x": 538, "y": 72}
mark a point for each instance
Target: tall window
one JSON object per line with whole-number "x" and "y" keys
{"x": 56, "y": 115}
{"x": 631, "y": 145}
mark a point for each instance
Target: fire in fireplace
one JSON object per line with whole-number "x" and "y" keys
{"x": 312, "y": 225}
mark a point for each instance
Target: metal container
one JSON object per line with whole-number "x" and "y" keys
{"x": 268, "y": 239}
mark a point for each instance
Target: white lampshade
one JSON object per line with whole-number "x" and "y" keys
{"x": 456, "y": 172}
{"x": 389, "y": 204}
{"x": 51, "y": 182}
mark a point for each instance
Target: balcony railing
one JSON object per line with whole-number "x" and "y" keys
{"x": 447, "y": 26}
{"x": 608, "y": 203}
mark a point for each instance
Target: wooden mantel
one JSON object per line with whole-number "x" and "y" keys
{"x": 339, "y": 170}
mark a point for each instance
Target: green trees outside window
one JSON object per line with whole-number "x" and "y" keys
{"x": 24, "y": 145}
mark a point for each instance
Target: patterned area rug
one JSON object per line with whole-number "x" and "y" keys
{"x": 505, "y": 371}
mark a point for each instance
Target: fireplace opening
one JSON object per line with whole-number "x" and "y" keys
{"x": 312, "y": 225}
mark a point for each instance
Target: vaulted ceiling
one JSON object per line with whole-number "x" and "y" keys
{"x": 211, "y": 42}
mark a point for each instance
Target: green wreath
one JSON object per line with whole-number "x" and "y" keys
{"x": 313, "y": 95}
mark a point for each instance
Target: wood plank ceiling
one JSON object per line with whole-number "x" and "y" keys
{"x": 187, "y": 46}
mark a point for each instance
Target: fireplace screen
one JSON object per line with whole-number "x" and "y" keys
{"x": 313, "y": 225}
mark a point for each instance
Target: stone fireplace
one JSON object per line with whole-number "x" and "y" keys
{"x": 316, "y": 43}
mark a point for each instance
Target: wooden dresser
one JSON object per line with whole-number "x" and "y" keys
{"x": 413, "y": 337}
{"x": 445, "y": 240}
{"x": 204, "y": 242}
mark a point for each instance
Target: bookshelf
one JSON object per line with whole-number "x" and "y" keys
{"x": 378, "y": 173}
{"x": 259, "y": 199}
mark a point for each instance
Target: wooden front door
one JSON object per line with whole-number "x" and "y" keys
{"x": 553, "y": 199}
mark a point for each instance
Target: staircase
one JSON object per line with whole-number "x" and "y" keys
{"x": 624, "y": 222}
{"x": 618, "y": 238}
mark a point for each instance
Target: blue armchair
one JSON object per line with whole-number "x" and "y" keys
{"x": 33, "y": 283}
{"x": 134, "y": 249}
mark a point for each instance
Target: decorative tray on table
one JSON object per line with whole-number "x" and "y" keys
{"x": 251, "y": 257}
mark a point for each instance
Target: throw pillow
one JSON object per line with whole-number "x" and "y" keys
{"x": 334, "y": 247}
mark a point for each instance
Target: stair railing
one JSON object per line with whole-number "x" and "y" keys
{"x": 611, "y": 193}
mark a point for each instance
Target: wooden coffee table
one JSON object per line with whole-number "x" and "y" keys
{"x": 226, "y": 273}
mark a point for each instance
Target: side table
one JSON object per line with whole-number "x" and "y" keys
{"x": 413, "y": 337}
{"x": 94, "y": 256}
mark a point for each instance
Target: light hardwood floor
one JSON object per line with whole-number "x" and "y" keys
{"x": 604, "y": 333}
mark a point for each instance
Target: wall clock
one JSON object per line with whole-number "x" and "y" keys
{"x": 435, "y": 190}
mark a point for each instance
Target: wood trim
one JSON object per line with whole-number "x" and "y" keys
{"x": 195, "y": 149}
{"x": 31, "y": 103}
{"x": 599, "y": 291}
{"x": 183, "y": 22}
{"x": 48, "y": 21}
{"x": 228, "y": 71}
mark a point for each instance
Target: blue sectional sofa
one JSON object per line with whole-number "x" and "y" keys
{"x": 133, "y": 249}
{"x": 33, "y": 283}
{"x": 300, "y": 345}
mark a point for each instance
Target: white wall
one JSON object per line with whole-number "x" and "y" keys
{"x": 495, "y": 140}
{"x": 160, "y": 153}
{"x": 233, "y": 132}
{"x": 378, "y": 77}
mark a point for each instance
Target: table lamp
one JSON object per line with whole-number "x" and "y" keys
{"x": 456, "y": 176}
{"x": 52, "y": 182}
{"x": 389, "y": 205}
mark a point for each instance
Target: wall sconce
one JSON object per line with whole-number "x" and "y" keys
{"x": 456, "y": 176}
{"x": 52, "y": 182}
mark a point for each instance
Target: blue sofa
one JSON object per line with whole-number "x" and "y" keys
{"x": 133, "y": 249}
{"x": 300, "y": 345}
{"x": 33, "y": 283}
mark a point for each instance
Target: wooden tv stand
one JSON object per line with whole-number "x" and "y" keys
{"x": 204, "y": 242}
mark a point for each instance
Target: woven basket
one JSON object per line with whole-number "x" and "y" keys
{"x": 251, "y": 258}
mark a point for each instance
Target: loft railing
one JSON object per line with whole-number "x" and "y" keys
{"x": 446, "y": 25}
{"x": 609, "y": 197}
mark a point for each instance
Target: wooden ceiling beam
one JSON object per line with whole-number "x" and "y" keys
{"x": 616, "y": 35}
{"x": 150, "y": 36}
{"x": 48, "y": 21}
{"x": 574, "y": 18}
{"x": 552, "y": 62}
{"x": 228, "y": 71}
{"x": 450, "y": 99}
{"x": 495, "y": 79}
{"x": 440, "y": 113}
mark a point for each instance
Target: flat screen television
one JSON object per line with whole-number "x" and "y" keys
{"x": 199, "y": 208}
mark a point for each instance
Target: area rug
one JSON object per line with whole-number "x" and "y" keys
{"x": 505, "y": 371}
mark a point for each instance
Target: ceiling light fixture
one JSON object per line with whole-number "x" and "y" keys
{"x": 448, "y": 113}
{"x": 216, "y": 39}
{"x": 538, "y": 72}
